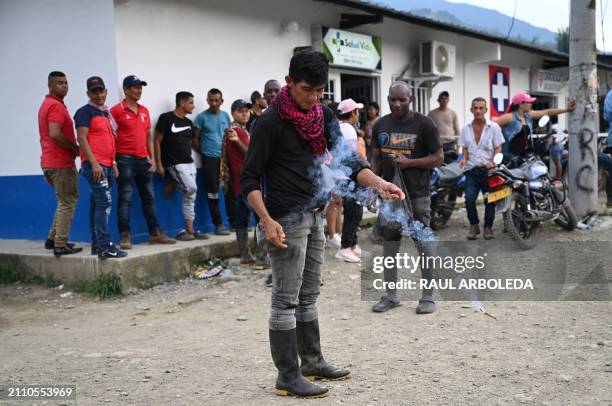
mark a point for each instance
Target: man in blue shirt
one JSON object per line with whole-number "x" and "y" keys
{"x": 209, "y": 128}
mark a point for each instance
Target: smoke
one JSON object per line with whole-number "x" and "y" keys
{"x": 397, "y": 215}
{"x": 331, "y": 177}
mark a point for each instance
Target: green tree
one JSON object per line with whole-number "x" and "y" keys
{"x": 563, "y": 40}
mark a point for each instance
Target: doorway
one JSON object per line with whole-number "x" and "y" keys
{"x": 362, "y": 89}
{"x": 359, "y": 88}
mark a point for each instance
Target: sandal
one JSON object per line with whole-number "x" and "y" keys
{"x": 185, "y": 236}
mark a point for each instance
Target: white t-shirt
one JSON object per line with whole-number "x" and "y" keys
{"x": 350, "y": 135}
{"x": 558, "y": 133}
{"x": 348, "y": 131}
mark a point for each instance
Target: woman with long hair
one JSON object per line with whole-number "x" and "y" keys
{"x": 518, "y": 123}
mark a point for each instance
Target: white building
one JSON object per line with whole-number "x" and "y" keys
{"x": 236, "y": 46}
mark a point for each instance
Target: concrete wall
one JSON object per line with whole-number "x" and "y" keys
{"x": 72, "y": 36}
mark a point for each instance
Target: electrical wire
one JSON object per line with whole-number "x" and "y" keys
{"x": 513, "y": 17}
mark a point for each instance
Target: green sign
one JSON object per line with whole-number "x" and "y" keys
{"x": 348, "y": 49}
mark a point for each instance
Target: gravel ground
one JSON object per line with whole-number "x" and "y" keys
{"x": 206, "y": 343}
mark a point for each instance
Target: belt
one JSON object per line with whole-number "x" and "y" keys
{"x": 129, "y": 156}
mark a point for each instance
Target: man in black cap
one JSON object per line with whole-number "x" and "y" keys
{"x": 96, "y": 129}
{"x": 235, "y": 145}
{"x": 136, "y": 162}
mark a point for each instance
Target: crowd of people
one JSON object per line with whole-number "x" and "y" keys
{"x": 118, "y": 145}
{"x": 261, "y": 157}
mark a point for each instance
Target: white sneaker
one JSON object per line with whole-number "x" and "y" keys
{"x": 334, "y": 241}
{"x": 347, "y": 255}
{"x": 357, "y": 250}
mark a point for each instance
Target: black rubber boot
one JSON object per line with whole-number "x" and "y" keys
{"x": 242, "y": 237}
{"x": 314, "y": 365}
{"x": 290, "y": 382}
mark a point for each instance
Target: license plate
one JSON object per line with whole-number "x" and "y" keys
{"x": 498, "y": 195}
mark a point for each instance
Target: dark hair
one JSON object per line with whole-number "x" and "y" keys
{"x": 182, "y": 96}
{"x": 254, "y": 96}
{"x": 374, "y": 104}
{"x": 443, "y": 93}
{"x": 344, "y": 116}
{"x": 55, "y": 74}
{"x": 309, "y": 66}
{"x": 479, "y": 99}
{"x": 214, "y": 90}
{"x": 334, "y": 107}
{"x": 514, "y": 107}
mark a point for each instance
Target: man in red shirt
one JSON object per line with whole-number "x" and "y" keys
{"x": 59, "y": 149}
{"x": 96, "y": 134}
{"x": 235, "y": 145}
{"x": 136, "y": 162}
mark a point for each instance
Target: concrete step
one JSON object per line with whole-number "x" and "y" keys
{"x": 144, "y": 267}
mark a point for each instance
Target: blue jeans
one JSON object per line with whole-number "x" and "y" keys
{"x": 242, "y": 212}
{"x": 99, "y": 205}
{"x": 135, "y": 170}
{"x": 476, "y": 182}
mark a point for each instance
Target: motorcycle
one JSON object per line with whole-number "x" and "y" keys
{"x": 446, "y": 186}
{"x": 526, "y": 196}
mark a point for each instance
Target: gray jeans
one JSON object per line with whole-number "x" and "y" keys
{"x": 296, "y": 270}
{"x": 392, "y": 237}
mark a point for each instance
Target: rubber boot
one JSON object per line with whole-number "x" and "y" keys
{"x": 314, "y": 365}
{"x": 242, "y": 237}
{"x": 290, "y": 382}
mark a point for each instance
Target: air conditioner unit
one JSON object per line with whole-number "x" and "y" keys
{"x": 437, "y": 59}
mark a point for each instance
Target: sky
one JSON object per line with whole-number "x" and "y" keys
{"x": 550, "y": 14}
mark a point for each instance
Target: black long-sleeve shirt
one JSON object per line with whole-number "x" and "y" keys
{"x": 280, "y": 157}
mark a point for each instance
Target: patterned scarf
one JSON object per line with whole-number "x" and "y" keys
{"x": 309, "y": 124}
{"x": 110, "y": 117}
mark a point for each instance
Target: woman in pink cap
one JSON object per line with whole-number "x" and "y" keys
{"x": 517, "y": 125}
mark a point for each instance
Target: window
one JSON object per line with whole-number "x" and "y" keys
{"x": 420, "y": 97}
{"x": 329, "y": 91}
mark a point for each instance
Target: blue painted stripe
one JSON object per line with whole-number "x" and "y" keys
{"x": 28, "y": 204}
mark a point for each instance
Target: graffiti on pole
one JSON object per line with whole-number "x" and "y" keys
{"x": 585, "y": 173}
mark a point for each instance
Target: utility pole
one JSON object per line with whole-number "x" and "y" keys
{"x": 583, "y": 120}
